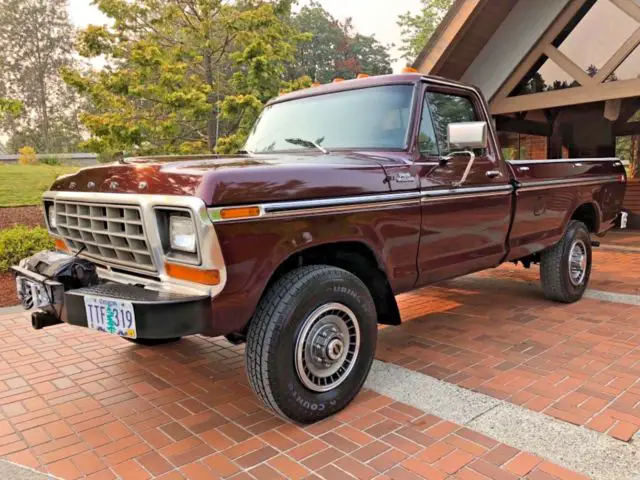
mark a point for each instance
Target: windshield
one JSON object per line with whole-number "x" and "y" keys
{"x": 376, "y": 117}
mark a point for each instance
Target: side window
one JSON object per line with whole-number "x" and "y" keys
{"x": 445, "y": 109}
{"x": 427, "y": 137}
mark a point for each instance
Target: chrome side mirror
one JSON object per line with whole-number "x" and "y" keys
{"x": 464, "y": 138}
{"x": 467, "y": 135}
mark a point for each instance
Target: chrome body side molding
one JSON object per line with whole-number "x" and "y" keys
{"x": 543, "y": 184}
{"x": 563, "y": 160}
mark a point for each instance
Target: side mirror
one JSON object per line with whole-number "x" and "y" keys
{"x": 468, "y": 135}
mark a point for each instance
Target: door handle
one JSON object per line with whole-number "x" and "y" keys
{"x": 494, "y": 174}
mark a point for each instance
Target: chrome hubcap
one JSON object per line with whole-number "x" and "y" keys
{"x": 578, "y": 262}
{"x": 327, "y": 347}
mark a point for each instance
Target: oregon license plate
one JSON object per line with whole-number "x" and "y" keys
{"x": 111, "y": 315}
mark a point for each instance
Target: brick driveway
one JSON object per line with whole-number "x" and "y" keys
{"x": 79, "y": 404}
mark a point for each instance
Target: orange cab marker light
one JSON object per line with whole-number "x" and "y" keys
{"x": 409, "y": 70}
{"x": 315, "y": 84}
{"x": 239, "y": 212}
{"x": 60, "y": 245}
{"x": 182, "y": 272}
{"x": 362, "y": 75}
{"x": 338, "y": 80}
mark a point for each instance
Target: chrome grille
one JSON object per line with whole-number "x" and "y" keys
{"x": 112, "y": 233}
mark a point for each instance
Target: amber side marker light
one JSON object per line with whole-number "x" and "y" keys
{"x": 191, "y": 274}
{"x": 362, "y": 75}
{"x": 239, "y": 212}
{"x": 60, "y": 245}
{"x": 338, "y": 80}
{"x": 409, "y": 70}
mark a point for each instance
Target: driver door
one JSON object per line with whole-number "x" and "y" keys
{"x": 464, "y": 227}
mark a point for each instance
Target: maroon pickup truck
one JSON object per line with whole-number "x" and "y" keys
{"x": 347, "y": 195}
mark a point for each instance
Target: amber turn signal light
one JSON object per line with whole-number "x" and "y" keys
{"x": 191, "y": 274}
{"x": 60, "y": 245}
{"x": 409, "y": 70}
{"x": 239, "y": 212}
{"x": 362, "y": 75}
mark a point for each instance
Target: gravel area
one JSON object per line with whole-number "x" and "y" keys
{"x": 29, "y": 216}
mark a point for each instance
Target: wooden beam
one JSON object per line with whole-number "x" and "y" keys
{"x": 623, "y": 52}
{"x": 550, "y": 35}
{"x": 626, "y": 129}
{"x": 440, "y": 45}
{"x": 568, "y": 96}
{"x": 629, "y": 7}
{"x": 527, "y": 127}
{"x": 568, "y": 66}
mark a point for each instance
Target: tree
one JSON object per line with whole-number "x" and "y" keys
{"x": 36, "y": 39}
{"x": 417, "y": 29}
{"x": 333, "y": 49}
{"x": 182, "y": 74}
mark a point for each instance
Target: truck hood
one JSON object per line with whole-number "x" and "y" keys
{"x": 237, "y": 180}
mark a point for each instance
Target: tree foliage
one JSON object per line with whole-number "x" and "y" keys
{"x": 36, "y": 40}
{"x": 334, "y": 49}
{"x": 181, "y": 74}
{"x": 418, "y": 28}
{"x": 10, "y": 107}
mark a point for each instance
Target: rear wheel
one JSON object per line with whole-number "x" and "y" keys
{"x": 565, "y": 268}
{"x": 311, "y": 343}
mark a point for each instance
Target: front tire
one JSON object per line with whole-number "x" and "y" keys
{"x": 311, "y": 343}
{"x": 565, "y": 268}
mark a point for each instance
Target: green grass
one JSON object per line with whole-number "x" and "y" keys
{"x": 23, "y": 184}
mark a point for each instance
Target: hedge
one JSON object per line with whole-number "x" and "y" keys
{"x": 19, "y": 242}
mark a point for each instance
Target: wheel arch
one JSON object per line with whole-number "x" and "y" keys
{"x": 588, "y": 213}
{"x": 355, "y": 257}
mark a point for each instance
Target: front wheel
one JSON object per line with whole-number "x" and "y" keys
{"x": 565, "y": 268}
{"x": 311, "y": 343}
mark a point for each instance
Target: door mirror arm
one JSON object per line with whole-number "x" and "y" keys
{"x": 467, "y": 171}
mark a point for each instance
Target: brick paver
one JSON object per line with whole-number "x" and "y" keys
{"x": 80, "y": 404}
{"x": 493, "y": 334}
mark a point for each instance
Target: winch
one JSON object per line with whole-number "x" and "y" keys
{"x": 52, "y": 274}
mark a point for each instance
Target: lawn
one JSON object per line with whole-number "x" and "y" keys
{"x": 24, "y": 184}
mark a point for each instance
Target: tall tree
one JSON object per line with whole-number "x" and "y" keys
{"x": 182, "y": 73}
{"x": 36, "y": 40}
{"x": 334, "y": 49}
{"x": 417, "y": 29}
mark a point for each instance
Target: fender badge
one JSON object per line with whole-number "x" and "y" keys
{"x": 113, "y": 185}
{"x": 142, "y": 185}
{"x": 91, "y": 185}
{"x": 402, "y": 177}
{"x": 72, "y": 185}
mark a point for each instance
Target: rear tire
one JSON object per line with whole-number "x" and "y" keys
{"x": 565, "y": 268}
{"x": 311, "y": 343}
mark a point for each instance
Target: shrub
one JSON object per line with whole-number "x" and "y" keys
{"x": 19, "y": 242}
{"x": 27, "y": 156}
{"x": 50, "y": 161}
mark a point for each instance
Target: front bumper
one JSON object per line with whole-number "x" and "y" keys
{"x": 158, "y": 314}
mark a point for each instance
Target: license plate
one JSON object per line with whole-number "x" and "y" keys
{"x": 111, "y": 316}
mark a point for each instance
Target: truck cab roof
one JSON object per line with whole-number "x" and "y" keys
{"x": 368, "y": 82}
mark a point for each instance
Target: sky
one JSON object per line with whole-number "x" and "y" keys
{"x": 370, "y": 17}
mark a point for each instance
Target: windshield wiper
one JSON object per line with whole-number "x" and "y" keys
{"x": 306, "y": 143}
